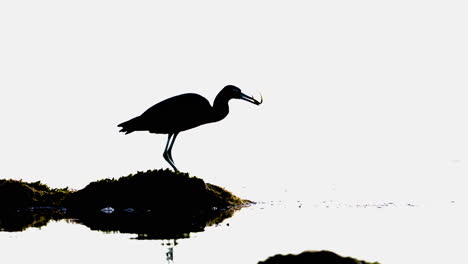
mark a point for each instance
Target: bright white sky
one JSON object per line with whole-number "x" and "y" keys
{"x": 363, "y": 99}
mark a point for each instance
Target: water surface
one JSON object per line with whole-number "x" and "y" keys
{"x": 388, "y": 232}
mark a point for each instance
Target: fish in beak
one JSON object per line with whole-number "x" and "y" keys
{"x": 251, "y": 99}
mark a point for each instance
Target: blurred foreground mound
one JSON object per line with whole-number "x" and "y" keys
{"x": 313, "y": 257}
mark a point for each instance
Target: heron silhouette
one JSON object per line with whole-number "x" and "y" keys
{"x": 183, "y": 112}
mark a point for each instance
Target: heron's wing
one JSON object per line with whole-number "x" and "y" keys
{"x": 177, "y": 113}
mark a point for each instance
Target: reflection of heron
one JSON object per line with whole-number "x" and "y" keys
{"x": 170, "y": 251}
{"x": 183, "y": 112}
{"x": 170, "y": 255}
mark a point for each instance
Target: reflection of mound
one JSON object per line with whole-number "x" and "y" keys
{"x": 153, "y": 226}
{"x": 24, "y": 219}
{"x": 313, "y": 257}
{"x": 158, "y": 204}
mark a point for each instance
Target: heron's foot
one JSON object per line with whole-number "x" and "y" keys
{"x": 173, "y": 166}
{"x": 168, "y": 158}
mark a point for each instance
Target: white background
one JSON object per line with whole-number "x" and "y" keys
{"x": 363, "y": 99}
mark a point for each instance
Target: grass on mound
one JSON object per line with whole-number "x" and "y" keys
{"x": 16, "y": 194}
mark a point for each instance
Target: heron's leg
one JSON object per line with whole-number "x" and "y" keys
{"x": 166, "y": 154}
{"x": 171, "y": 145}
{"x": 169, "y": 136}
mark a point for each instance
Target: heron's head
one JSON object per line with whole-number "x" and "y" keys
{"x": 231, "y": 91}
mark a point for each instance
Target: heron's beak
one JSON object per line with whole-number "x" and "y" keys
{"x": 250, "y": 99}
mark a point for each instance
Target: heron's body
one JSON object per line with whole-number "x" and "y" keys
{"x": 176, "y": 114}
{"x": 183, "y": 112}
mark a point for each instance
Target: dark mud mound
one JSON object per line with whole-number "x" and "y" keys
{"x": 156, "y": 204}
{"x": 16, "y": 194}
{"x": 24, "y": 205}
{"x": 157, "y": 191}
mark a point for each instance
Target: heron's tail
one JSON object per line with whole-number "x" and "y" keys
{"x": 129, "y": 126}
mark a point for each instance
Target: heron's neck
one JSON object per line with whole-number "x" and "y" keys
{"x": 220, "y": 108}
